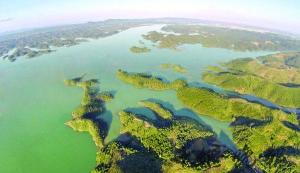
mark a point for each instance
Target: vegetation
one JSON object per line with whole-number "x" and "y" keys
{"x": 142, "y": 80}
{"x": 85, "y": 115}
{"x": 144, "y": 147}
{"x": 220, "y": 37}
{"x": 267, "y": 145}
{"x": 174, "y": 144}
{"x": 206, "y": 102}
{"x": 136, "y": 49}
{"x": 156, "y": 107}
{"x": 175, "y": 67}
{"x": 265, "y": 80}
{"x": 282, "y": 60}
{"x": 250, "y": 84}
{"x": 264, "y": 138}
{"x": 274, "y": 67}
{"x": 147, "y": 147}
{"x": 87, "y": 125}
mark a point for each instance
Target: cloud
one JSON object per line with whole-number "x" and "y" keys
{"x": 6, "y": 20}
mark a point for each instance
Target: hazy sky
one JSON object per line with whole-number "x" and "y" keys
{"x": 277, "y": 14}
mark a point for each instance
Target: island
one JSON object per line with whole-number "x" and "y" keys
{"x": 135, "y": 49}
{"x": 175, "y": 67}
{"x": 265, "y": 77}
{"x": 221, "y": 37}
{"x": 167, "y": 143}
{"x": 142, "y": 80}
{"x": 275, "y": 132}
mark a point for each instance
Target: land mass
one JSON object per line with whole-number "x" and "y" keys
{"x": 136, "y": 49}
{"x": 36, "y": 42}
{"x": 221, "y": 37}
{"x": 267, "y": 139}
{"x": 268, "y": 77}
{"x": 175, "y": 67}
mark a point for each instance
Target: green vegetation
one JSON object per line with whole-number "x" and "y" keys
{"x": 136, "y": 49}
{"x": 164, "y": 113}
{"x": 273, "y": 147}
{"x": 175, "y": 67}
{"x": 281, "y": 60}
{"x": 86, "y": 125}
{"x": 105, "y": 96}
{"x": 264, "y": 140}
{"x": 208, "y": 103}
{"x": 173, "y": 142}
{"x": 220, "y": 37}
{"x": 171, "y": 41}
{"x": 272, "y": 67}
{"x": 149, "y": 135}
{"x": 142, "y": 80}
{"x": 250, "y": 84}
{"x": 147, "y": 148}
{"x": 265, "y": 80}
{"x": 84, "y": 116}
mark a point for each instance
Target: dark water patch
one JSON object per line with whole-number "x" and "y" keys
{"x": 268, "y": 104}
{"x": 291, "y": 125}
{"x": 281, "y": 151}
{"x": 142, "y": 112}
{"x": 182, "y": 114}
{"x": 185, "y": 112}
{"x": 202, "y": 151}
{"x": 145, "y": 162}
{"x": 250, "y": 122}
{"x": 129, "y": 141}
{"x": 105, "y": 121}
{"x": 226, "y": 139}
{"x": 290, "y": 85}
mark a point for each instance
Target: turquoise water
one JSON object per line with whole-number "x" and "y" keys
{"x": 34, "y": 103}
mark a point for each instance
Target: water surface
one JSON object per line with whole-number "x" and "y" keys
{"x": 34, "y": 103}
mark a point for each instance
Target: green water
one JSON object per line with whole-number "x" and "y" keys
{"x": 34, "y": 103}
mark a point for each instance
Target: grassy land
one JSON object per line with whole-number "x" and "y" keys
{"x": 219, "y": 37}
{"x": 147, "y": 81}
{"x": 268, "y": 142}
{"x": 272, "y": 67}
{"x": 250, "y": 84}
{"x": 219, "y": 107}
{"x": 162, "y": 112}
{"x": 175, "y": 67}
{"x": 265, "y": 79}
{"x": 92, "y": 104}
{"x": 136, "y": 49}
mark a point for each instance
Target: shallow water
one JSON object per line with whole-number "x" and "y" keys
{"x": 34, "y": 103}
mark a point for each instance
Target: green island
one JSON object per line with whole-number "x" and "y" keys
{"x": 142, "y": 80}
{"x": 221, "y": 37}
{"x": 166, "y": 144}
{"x": 136, "y": 49}
{"x": 263, "y": 77}
{"x": 203, "y": 101}
{"x": 92, "y": 105}
{"x": 175, "y": 67}
{"x": 163, "y": 112}
{"x": 252, "y": 125}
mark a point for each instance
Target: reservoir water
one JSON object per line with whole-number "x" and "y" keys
{"x": 35, "y": 103}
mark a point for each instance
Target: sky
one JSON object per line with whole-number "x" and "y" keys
{"x": 23, "y": 14}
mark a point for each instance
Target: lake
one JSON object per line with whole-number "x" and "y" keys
{"x": 35, "y": 103}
